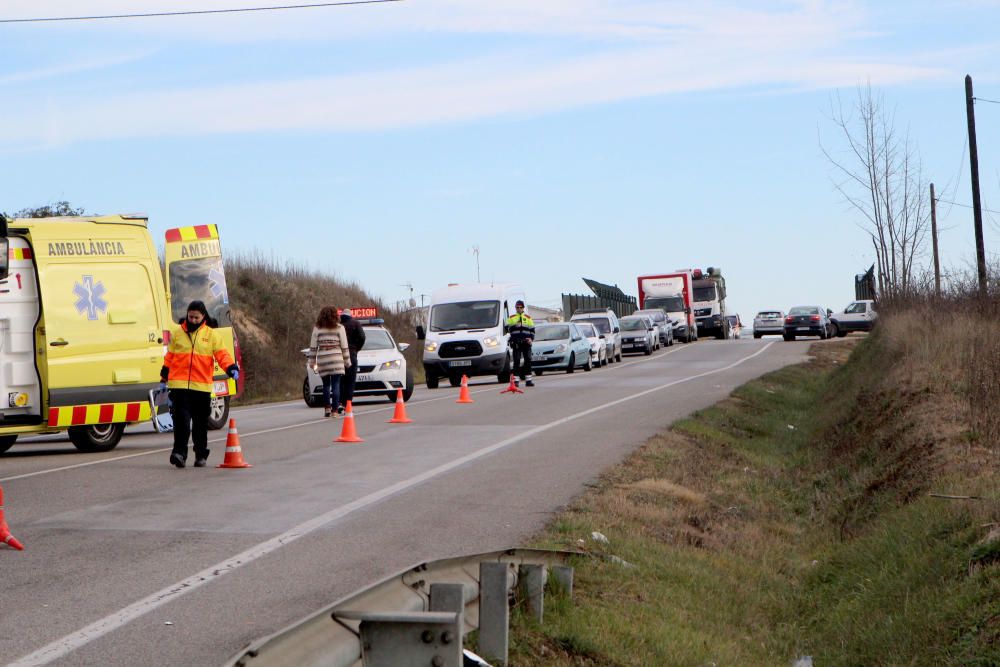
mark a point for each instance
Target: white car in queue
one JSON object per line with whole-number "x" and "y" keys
{"x": 598, "y": 348}
{"x": 382, "y": 368}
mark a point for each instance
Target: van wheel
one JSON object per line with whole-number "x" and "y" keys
{"x": 789, "y": 337}
{"x": 311, "y": 399}
{"x": 218, "y": 413}
{"x": 96, "y": 437}
{"x": 618, "y": 357}
{"x": 503, "y": 376}
{"x": 455, "y": 380}
{"x": 6, "y": 442}
{"x": 431, "y": 380}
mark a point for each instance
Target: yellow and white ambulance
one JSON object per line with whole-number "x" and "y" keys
{"x": 83, "y": 318}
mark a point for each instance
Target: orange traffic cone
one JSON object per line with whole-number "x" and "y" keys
{"x": 349, "y": 433}
{"x": 5, "y": 535}
{"x": 512, "y": 388}
{"x": 234, "y": 453}
{"x": 399, "y": 417}
{"x": 463, "y": 394}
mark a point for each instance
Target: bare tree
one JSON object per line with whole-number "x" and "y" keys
{"x": 880, "y": 177}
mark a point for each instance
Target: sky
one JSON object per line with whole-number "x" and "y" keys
{"x": 563, "y": 139}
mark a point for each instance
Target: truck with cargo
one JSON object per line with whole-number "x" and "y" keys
{"x": 674, "y": 294}
{"x": 85, "y": 315}
{"x": 710, "y": 303}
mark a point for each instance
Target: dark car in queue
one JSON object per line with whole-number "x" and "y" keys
{"x": 808, "y": 321}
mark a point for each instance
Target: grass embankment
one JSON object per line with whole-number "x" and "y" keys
{"x": 275, "y": 307}
{"x": 796, "y": 518}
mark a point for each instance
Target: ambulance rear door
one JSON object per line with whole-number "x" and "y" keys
{"x": 20, "y": 381}
{"x": 195, "y": 272}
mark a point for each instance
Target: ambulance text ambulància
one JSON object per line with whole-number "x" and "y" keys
{"x": 84, "y": 318}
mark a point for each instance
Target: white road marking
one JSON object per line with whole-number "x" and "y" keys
{"x": 71, "y": 642}
{"x": 358, "y": 413}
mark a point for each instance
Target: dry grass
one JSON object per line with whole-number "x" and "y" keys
{"x": 755, "y": 543}
{"x": 275, "y": 308}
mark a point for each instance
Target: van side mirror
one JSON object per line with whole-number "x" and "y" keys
{"x": 4, "y": 258}
{"x": 421, "y": 334}
{"x": 403, "y": 347}
{"x": 616, "y": 330}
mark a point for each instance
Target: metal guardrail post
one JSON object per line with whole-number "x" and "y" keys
{"x": 450, "y": 597}
{"x": 494, "y": 612}
{"x": 531, "y": 588}
{"x": 408, "y": 639}
{"x": 563, "y": 576}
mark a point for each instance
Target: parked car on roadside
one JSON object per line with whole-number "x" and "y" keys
{"x": 664, "y": 327}
{"x": 560, "y": 346}
{"x": 808, "y": 321}
{"x": 598, "y": 350}
{"x": 607, "y": 324}
{"x": 735, "y": 326}
{"x": 768, "y": 322}
{"x": 638, "y": 334}
{"x": 857, "y": 316}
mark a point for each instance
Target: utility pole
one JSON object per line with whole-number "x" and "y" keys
{"x": 934, "y": 240}
{"x": 977, "y": 208}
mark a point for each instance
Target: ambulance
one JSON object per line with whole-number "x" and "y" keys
{"x": 85, "y": 316}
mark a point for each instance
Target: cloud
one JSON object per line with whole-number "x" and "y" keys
{"x": 76, "y": 67}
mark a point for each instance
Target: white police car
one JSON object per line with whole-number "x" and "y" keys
{"x": 381, "y": 368}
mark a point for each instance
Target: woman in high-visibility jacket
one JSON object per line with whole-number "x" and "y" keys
{"x": 187, "y": 371}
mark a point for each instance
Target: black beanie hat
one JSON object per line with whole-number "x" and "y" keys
{"x": 198, "y": 306}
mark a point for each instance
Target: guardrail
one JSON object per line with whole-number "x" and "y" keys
{"x": 421, "y": 615}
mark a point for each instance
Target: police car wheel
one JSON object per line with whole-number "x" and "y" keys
{"x": 96, "y": 437}
{"x": 408, "y": 389}
{"x": 6, "y": 442}
{"x": 218, "y": 414}
{"x": 311, "y": 399}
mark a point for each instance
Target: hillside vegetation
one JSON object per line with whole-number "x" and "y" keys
{"x": 846, "y": 509}
{"x": 274, "y": 308}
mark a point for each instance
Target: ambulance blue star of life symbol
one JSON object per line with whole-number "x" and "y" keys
{"x": 90, "y": 297}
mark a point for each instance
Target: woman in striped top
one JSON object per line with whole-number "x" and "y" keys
{"x": 329, "y": 355}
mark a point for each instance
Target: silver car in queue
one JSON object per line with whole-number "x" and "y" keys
{"x": 560, "y": 347}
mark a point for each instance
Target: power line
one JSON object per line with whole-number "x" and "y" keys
{"x": 312, "y": 5}
{"x": 955, "y": 203}
{"x": 983, "y": 99}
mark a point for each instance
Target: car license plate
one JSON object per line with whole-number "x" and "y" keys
{"x": 364, "y": 378}
{"x": 537, "y": 357}
{"x": 220, "y": 388}
{"x": 803, "y": 328}
{"x": 461, "y": 362}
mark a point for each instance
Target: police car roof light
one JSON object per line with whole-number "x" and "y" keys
{"x": 375, "y": 321}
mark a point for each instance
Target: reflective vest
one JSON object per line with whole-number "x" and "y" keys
{"x": 521, "y": 327}
{"x": 190, "y": 360}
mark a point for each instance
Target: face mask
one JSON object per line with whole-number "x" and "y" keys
{"x": 192, "y": 326}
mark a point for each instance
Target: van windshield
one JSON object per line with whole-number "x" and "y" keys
{"x": 464, "y": 315}
{"x": 671, "y": 304}
{"x": 201, "y": 279}
{"x": 600, "y": 323}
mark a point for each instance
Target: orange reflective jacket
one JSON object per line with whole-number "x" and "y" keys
{"x": 190, "y": 360}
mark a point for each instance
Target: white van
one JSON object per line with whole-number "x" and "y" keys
{"x": 465, "y": 332}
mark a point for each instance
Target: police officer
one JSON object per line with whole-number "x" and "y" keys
{"x": 522, "y": 332}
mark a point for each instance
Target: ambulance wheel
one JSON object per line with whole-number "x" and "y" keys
{"x": 218, "y": 415}
{"x": 6, "y": 442}
{"x": 96, "y": 437}
{"x": 312, "y": 400}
